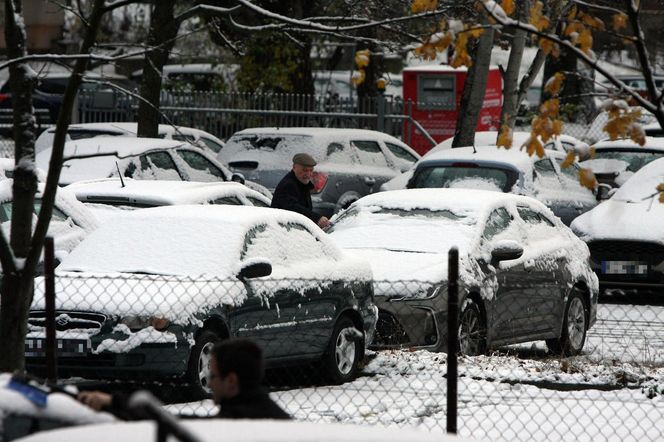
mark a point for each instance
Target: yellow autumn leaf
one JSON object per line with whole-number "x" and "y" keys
{"x": 537, "y": 17}
{"x": 637, "y": 134}
{"x": 444, "y": 42}
{"x": 552, "y": 87}
{"x": 619, "y": 21}
{"x": 476, "y": 32}
{"x": 593, "y": 22}
{"x": 661, "y": 197}
{"x": 571, "y": 15}
{"x": 381, "y": 83}
{"x": 569, "y": 160}
{"x": 423, "y": 6}
{"x": 550, "y": 107}
{"x": 358, "y": 77}
{"x": 508, "y": 6}
{"x": 592, "y": 152}
{"x": 533, "y": 146}
{"x": 505, "y": 135}
{"x": 549, "y": 47}
{"x": 362, "y": 58}
{"x": 557, "y": 127}
{"x": 573, "y": 28}
{"x": 585, "y": 41}
{"x": 660, "y": 187}
{"x": 461, "y": 56}
{"x": 442, "y": 24}
{"x": 587, "y": 178}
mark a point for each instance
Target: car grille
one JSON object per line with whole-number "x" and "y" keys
{"x": 389, "y": 331}
{"x": 68, "y": 320}
{"x": 627, "y": 250}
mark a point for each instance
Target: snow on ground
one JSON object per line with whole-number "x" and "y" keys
{"x": 615, "y": 391}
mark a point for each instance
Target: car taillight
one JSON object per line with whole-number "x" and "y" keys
{"x": 319, "y": 179}
{"x": 3, "y": 97}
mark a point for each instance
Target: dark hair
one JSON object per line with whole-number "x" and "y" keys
{"x": 242, "y": 356}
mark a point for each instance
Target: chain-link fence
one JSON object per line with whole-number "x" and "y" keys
{"x": 337, "y": 352}
{"x": 6, "y": 148}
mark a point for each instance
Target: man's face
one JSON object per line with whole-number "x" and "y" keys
{"x": 222, "y": 387}
{"x": 303, "y": 173}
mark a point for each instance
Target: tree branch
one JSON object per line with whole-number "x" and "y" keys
{"x": 6, "y": 255}
{"x": 642, "y": 51}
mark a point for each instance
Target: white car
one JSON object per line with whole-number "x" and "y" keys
{"x": 616, "y": 161}
{"x": 562, "y": 143}
{"x": 7, "y": 170}
{"x": 140, "y": 158}
{"x": 108, "y": 197}
{"x": 81, "y": 131}
{"x": 511, "y": 170}
{"x": 523, "y": 275}
{"x": 70, "y": 223}
{"x": 351, "y": 162}
{"x": 625, "y": 234}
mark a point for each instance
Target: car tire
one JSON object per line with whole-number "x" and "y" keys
{"x": 344, "y": 352}
{"x": 472, "y": 330}
{"x": 575, "y": 326}
{"x": 199, "y": 364}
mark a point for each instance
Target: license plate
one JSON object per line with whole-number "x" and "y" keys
{"x": 36, "y": 347}
{"x": 625, "y": 267}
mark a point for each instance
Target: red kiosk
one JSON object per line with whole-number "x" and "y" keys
{"x": 431, "y": 97}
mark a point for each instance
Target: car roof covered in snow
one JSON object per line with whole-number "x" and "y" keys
{"x": 322, "y": 132}
{"x": 655, "y": 143}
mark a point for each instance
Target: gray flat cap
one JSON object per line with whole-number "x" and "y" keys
{"x": 304, "y": 159}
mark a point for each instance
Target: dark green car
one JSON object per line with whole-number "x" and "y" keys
{"x": 146, "y": 296}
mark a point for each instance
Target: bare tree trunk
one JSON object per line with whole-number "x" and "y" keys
{"x": 474, "y": 89}
{"x": 163, "y": 30}
{"x": 17, "y": 280}
{"x": 511, "y": 79}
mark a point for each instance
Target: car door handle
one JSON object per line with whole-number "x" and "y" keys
{"x": 369, "y": 181}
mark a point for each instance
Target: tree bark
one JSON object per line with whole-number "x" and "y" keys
{"x": 474, "y": 89}
{"x": 511, "y": 79}
{"x": 163, "y": 30}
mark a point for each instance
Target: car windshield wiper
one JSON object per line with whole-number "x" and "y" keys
{"x": 390, "y": 249}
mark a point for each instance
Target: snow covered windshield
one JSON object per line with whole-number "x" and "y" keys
{"x": 416, "y": 230}
{"x": 635, "y": 159}
{"x": 467, "y": 176}
{"x": 642, "y": 186}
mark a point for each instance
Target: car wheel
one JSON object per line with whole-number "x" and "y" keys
{"x": 344, "y": 351}
{"x": 472, "y": 330}
{"x": 575, "y": 326}
{"x": 198, "y": 371}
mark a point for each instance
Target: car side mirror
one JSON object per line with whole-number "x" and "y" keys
{"x": 505, "y": 250}
{"x": 255, "y": 269}
{"x": 238, "y": 178}
{"x": 604, "y": 192}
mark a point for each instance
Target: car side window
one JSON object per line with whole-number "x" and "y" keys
{"x": 285, "y": 244}
{"x": 339, "y": 153}
{"x": 256, "y": 202}
{"x": 532, "y": 217}
{"x": 156, "y": 165}
{"x": 498, "y": 221}
{"x": 211, "y": 144}
{"x": 370, "y": 154}
{"x": 545, "y": 173}
{"x": 199, "y": 167}
{"x": 401, "y": 153}
{"x": 229, "y": 201}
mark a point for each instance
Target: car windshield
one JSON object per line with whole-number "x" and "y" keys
{"x": 399, "y": 230}
{"x": 642, "y": 185}
{"x": 465, "y": 176}
{"x": 634, "y": 158}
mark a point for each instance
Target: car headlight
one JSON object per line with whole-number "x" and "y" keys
{"x": 140, "y": 322}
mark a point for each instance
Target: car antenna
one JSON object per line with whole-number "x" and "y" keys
{"x": 474, "y": 150}
{"x": 119, "y": 174}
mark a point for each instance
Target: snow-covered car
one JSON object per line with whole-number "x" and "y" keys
{"x": 20, "y": 416}
{"x": 110, "y": 196}
{"x": 616, "y": 161}
{"x": 70, "y": 222}
{"x": 511, "y": 170}
{"x": 523, "y": 275}
{"x": 351, "y": 162}
{"x": 653, "y": 130}
{"x": 149, "y": 294}
{"x": 242, "y": 430}
{"x": 140, "y": 158}
{"x": 81, "y": 131}
{"x": 7, "y": 170}
{"x": 188, "y": 77}
{"x": 625, "y": 234}
{"x": 563, "y": 143}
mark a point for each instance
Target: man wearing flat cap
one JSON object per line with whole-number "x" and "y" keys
{"x": 294, "y": 190}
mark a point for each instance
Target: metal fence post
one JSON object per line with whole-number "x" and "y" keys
{"x": 452, "y": 338}
{"x": 49, "y": 295}
{"x": 380, "y": 110}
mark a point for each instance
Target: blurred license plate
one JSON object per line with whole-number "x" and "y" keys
{"x": 36, "y": 347}
{"x": 625, "y": 267}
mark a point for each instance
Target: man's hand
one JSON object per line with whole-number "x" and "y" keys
{"x": 95, "y": 399}
{"x": 323, "y": 222}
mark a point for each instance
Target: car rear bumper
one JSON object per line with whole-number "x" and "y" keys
{"x": 627, "y": 264}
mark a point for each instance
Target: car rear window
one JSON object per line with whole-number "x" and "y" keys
{"x": 635, "y": 159}
{"x": 281, "y": 146}
{"x": 464, "y": 176}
